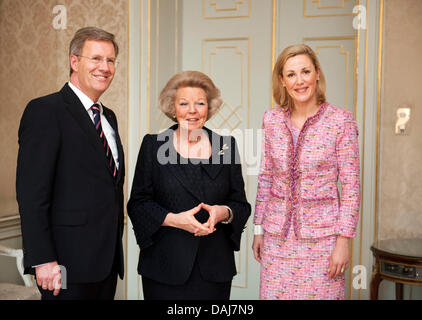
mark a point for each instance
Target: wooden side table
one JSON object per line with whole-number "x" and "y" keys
{"x": 398, "y": 260}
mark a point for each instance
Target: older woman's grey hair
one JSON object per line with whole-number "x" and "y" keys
{"x": 195, "y": 79}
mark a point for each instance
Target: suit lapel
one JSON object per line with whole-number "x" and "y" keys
{"x": 212, "y": 169}
{"x": 176, "y": 168}
{"x": 188, "y": 184}
{"x": 120, "y": 153}
{"x": 78, "y": 111}
{"x": 120, "y": 173}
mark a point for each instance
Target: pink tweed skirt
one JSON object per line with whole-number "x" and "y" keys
{"x": 297, "y": 269}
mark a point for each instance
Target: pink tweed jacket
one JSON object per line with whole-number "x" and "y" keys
{"x": 299, "y": 185}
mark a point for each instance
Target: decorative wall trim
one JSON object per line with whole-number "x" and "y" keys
{"x": 363, "y": 139}
{"x": 273, "y": 46}
{"x": 379, "y": 83}
{"x": 236, "y": 4}
{"x": 334, "y": 8}
{"x": 341, "y": 6}
{"x": 211, "y": 10}
{"x": 235, "y": 112}
{"x": 347, "y": 54}
{"x": 356, "y": 52}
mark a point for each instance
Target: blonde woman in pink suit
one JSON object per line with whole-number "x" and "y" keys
{"x": 303, "y": 222}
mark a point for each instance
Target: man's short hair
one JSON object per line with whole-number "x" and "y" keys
{"x": 90, "y": 33}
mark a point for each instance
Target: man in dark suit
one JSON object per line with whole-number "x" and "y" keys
{"x": 70, "y": 176}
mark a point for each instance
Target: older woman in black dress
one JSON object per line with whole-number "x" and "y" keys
{"x": 188, "y": 205}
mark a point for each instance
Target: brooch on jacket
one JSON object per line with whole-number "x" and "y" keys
{"x": 225, "y": 147}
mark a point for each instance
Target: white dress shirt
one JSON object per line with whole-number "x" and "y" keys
{"x": 107, "y": 129}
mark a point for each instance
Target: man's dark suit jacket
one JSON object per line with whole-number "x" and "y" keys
{"x": 71, "y": 207}
{"x": 167, "y": 254}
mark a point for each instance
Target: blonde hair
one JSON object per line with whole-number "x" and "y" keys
{"x": 195, "y": 79}
{"x": 280, "y": 93}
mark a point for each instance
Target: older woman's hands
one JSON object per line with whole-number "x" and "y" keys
{"x": 186, "y": 221}
{"x": 217, "y": 213}
{"x": 339, "y": 260}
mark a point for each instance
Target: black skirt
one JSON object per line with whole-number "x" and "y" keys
{"x": 195, "y": 288}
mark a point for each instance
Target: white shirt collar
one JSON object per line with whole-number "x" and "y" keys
{"x": 86, "y": 101}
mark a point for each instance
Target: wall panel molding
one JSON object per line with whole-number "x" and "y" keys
{"x": 226, "y": 9}
{"x": 344, "y": 71}
{"x": 329, "y": 8}
{"x": 226, "y": 61}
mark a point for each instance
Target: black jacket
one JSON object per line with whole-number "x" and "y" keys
{"x": 167, "y": 254}
{"x": 71, "y": 207}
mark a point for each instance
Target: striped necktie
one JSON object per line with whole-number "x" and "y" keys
{"x": 97, "y": 122}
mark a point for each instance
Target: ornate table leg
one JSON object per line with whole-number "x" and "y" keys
{"x": 375, "y": 282}
{"x": 399, "y": 291}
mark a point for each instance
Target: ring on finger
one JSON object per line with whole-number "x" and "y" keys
{"x": 342, "y": 269}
